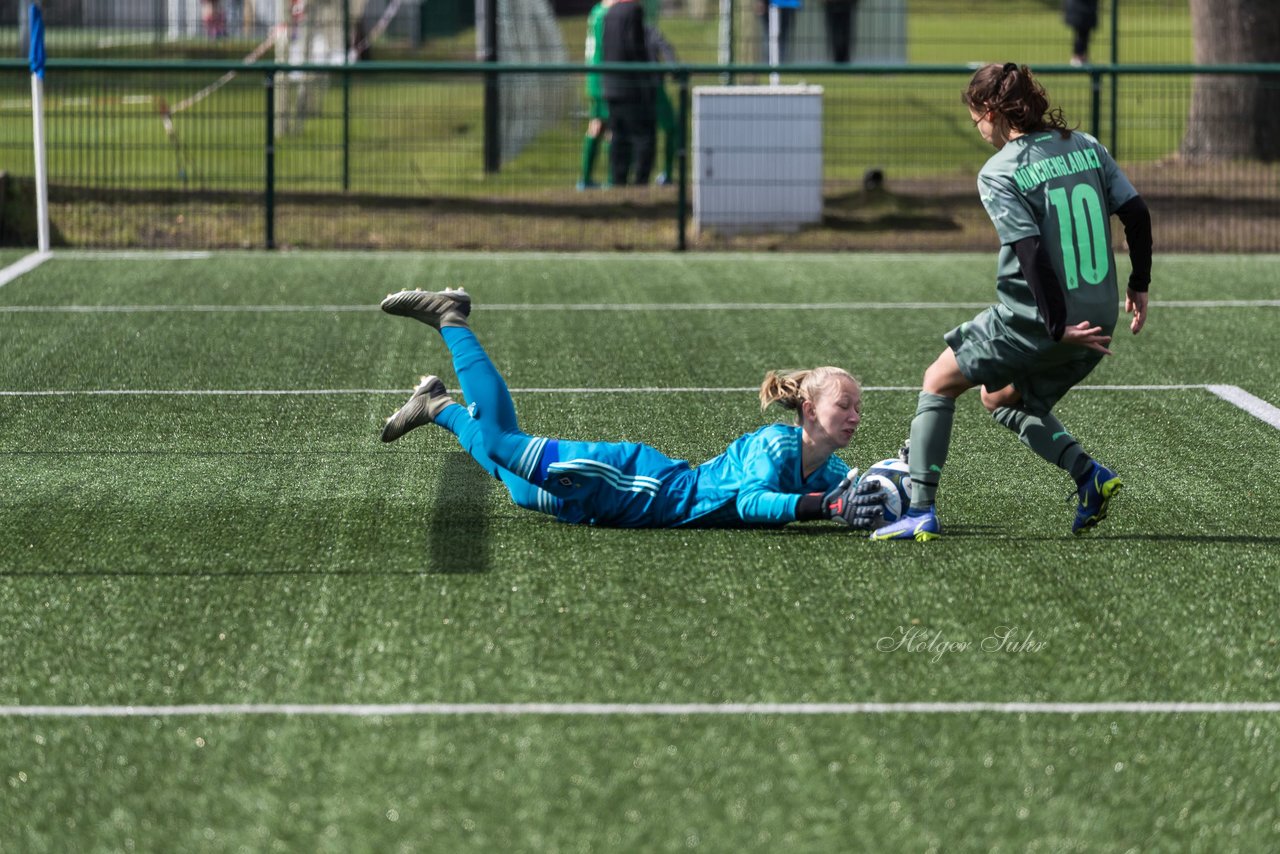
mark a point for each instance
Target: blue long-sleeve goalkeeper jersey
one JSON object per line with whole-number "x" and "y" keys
{"x": 756, "y": 481}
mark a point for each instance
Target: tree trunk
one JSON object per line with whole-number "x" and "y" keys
{"x": 1234, "y": 116}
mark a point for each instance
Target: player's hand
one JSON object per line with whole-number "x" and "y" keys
{"x": 1086, "y": 334}
{"x": 1135, "y": 303}
{"x": 858, "y": 505}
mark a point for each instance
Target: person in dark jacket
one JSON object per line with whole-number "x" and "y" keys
{"x": 630, "y": 96}
{"x": 660, "y": 50}
{"x": 840, "y": 29}
{"x": 1082, "y": 17}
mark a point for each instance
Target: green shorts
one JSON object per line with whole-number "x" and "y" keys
{"x": 598, "y": 108}
{"x": 990, "y": 355}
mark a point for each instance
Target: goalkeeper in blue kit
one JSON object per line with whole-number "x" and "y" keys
{"x": 775, "y": 475}
{"x": 1050, "y": 192}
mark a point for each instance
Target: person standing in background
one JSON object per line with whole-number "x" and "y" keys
{"x": 660, "y": 50}
{"x": 213, "y": 18}
{"x": 840, "y": 28}
{"x": 597, "y": 109}
{"x": 786, "y": 18}
{"x": 1082, "y": 17}
{"x": 629, "y": 97}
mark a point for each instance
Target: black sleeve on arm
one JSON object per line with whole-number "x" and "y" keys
{"x": 809, "y": 508}
{"x": 1046, "y": 288}
{"x": 1136, "y": 219}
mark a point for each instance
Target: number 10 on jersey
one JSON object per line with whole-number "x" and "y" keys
{"x": 1081, "y": 222}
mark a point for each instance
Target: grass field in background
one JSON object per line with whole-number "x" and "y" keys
{"x": 938, "y": 31}
{"x": 173, "y": 537}
{"x": 425, "y": 135}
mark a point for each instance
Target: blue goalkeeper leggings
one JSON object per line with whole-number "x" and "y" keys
{"x": 488, "y": 430}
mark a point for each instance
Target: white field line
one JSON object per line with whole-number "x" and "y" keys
{"x": 136, "y": 255}
{"x": 23, "y": 265}
{"x": 626, "y": 257}
{"x": 505, "y": 307}
{"x": 1234, "y": 395}
{"x": 600, "y": 307}
{"x": 521, "y": 255}
{"x": 640, "y": 709}
{"x": 256, "y": 392}
{"x": 1255, "y": 406}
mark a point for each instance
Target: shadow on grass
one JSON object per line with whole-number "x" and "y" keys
{"x": 635, "y": 203}
{"x": 456, "y": 538}
{"x": 997, "y": 533}
{"x": 881, "y": 210}
{"x": 461, "y": 548}
{"x": 458, "y": 530}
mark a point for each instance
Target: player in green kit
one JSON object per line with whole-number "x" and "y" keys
{"x": 1049, "y": 192}
{"x": 597, "y": 109}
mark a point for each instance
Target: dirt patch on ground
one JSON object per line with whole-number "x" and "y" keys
{"x": 1216, "y": 208}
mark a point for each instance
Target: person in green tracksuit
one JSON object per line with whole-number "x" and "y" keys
{"x": 1050, "y": 192}
{"x": 597, "y": 108}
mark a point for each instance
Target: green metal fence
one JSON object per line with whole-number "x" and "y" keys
{"x": 391, "y": 155}
{"x": 923, "y": 31}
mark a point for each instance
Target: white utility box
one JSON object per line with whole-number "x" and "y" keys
{"x": 757, "y": 157}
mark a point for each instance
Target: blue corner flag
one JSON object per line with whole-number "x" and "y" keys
{"x": 37, "y": 41}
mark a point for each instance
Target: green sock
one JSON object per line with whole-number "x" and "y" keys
{"x": 1045, "y": 435}
{"x": 930, "y": 439}
{"x": 590, "y": 149}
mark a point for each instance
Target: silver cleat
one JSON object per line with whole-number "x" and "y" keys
{"x": 429, "y": 398}
{"x": 449, "y": 307}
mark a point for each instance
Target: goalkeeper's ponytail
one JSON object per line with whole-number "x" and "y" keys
{"x": 782, "y": 388}
{"x": 790, "y": 389}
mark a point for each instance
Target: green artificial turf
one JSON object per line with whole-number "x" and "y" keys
{"x": 167, "y": 549}
{"x": 10, "y": 255}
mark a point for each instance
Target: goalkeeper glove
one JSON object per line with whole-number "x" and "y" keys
{"x": 858, "y": 504}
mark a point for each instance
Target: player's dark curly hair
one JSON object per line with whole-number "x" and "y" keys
{"x": 1015, "y": 99}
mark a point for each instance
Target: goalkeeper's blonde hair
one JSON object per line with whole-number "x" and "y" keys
{"x": 790, "y": 389}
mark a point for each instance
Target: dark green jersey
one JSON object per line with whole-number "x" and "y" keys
{"x": 595, "y": 48}
{"x": 1063, "y": 191}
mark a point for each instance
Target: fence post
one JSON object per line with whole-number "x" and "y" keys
{"x": 1115, "y": 79}
{"x": 682, "y": 162}
{"x": 1095, "y": 104}
{"x": 269, "y": 191}
{"x": 346, "y": 130}
{"x": 725, "y": 54}
{"x": 346, "y": 95}
{"x": 492, "y": 113}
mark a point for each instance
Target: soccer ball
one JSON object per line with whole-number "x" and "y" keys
{"x": 894, "y": 478}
